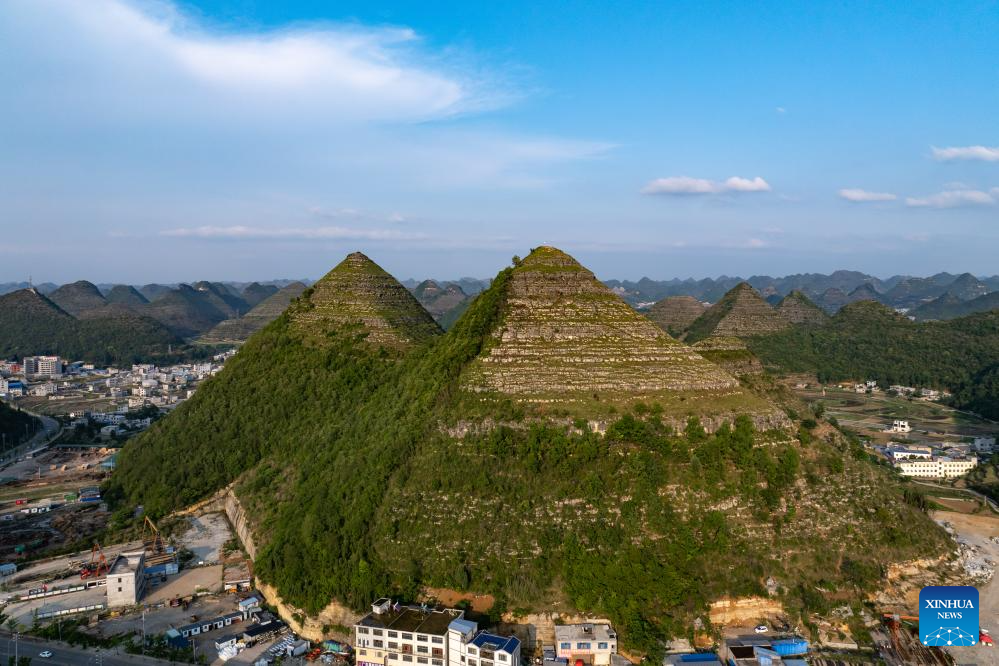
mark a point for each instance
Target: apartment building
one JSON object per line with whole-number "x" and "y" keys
{"x": 393, "y": 634}
{"x": 42, "y": 366}
{"x": 126, "y": 581}
{"x": 591, "y": 644}
{"x": 937, "y": 468}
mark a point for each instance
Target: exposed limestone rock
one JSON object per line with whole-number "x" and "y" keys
{"x": 729, "y": 353}
{"x": 358, "y": 291}
{"x": 740, "y": 312}
{"x": 563, "y": 338}
{"x": 799, "y": 309}
{"x": 674, "y": 314}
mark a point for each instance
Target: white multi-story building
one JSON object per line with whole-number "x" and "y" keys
{"x": 592, "y": 644}
{"x": 899, "y": 426}
{"x": 126, "y": 581}
{"x": 937, "y": 468}
{"x": 42, "y": 366}
{"x": 396, "y": 635}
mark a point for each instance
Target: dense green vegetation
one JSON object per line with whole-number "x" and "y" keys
{"x": 32, "y": 324}
{"x": 369, "y": 472}
{"x": 866, "y": 340}
{"x": 15, "y": 426}
{"x": 981, "y": 393}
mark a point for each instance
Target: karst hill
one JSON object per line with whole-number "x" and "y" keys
{"x": 550, "y": 445}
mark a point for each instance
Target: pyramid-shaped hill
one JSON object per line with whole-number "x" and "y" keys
{"x": 78, "y": 297}
{"x": 31, "y": 323}
{"x": 799, "y": 309}
{"x": 255, "y": 293}
{"x": 740, "y": 312}
{"x": 563, "y": 338}
{"x": 239, "y": 330}
{"x": 358, "y": 291}
{"x": 674, "y": 314}
{"x": 125, "y": 295}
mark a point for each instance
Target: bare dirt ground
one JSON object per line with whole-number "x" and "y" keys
{"x": 977, "y": 530}
{"x": 187, "y": 582}
{"x": 206, "y": 536}
{"x": 481, "y": 603}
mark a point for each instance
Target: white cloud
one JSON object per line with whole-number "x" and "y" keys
{"x": 688, "y": 185}
{"x": 151, "y": 59}
{"x": 239, "y": 232}
{"x": 981, "y": 153}
{"x": 781, "y": 110}
{"x": 864, "y": 196}
{"x": 955, "y": 199}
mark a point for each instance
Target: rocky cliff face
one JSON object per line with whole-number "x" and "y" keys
{"x": 740, "y": 312}
{"x": 564, "y": 338}
{"x": 358, "y": 291}
{"x": 674, "y": 314}
{"x": 798, "y": 309}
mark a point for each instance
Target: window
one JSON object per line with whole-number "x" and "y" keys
{"x": 421, "y": 660}
{"x": 422, "y": 648}
{"x": 393, "y": 656}
{"x": 378, "y": 643}
{"x": 393, "y": 645}
{"x": 393, "y": 634}
{"x": 422, "y": 637}
{"x": 438, "y": 652}
{"x": 501, "y": 656}
{"x": 363, "y": 652}
{"x": 438, "y": 662}
{"x": 407, "y": 657}
{"x": 471, "y": 650}
{"x": 407, "y": 637}
{"x": 362, "y": 630}
{"x": 601, "y": 646}
{"x": 438, "y": 639}
{"x": 119, "y": 589}
{"x": 376, "y": 632}
{"x": 472, "y": 662}
{"x": 582, "y": 646}
{"x": 565, "y": 646}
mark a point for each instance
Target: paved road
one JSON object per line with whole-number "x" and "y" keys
{"x": 995, "y": 507}
{"x": 51, "y": 429}
{"x": 65, "y": 655}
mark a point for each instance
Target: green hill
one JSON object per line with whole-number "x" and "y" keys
{"x": 32, "y": 324}
{"x": 255, "y": 293}
{"x": 371, "y": 470}
{"x": 867, "y": 340}
{"x": 124, "y": 294}
{"x": 357, "y": 290}
{"x": 950, "y": 306}
{"x": 188, "y": 311}
{"x": 799, "y": 309}
{"x": 239, "y": 330}
{"x": 675, "y": 313}
{"x": 740, "y": 312}
{"x": 78, "y": 297}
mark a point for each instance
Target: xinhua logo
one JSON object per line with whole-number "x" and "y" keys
{"x": 948, "y": 615}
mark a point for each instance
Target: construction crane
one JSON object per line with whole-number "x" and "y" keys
{"x": 97, "y": 566}
{"x": 156, "y": 549}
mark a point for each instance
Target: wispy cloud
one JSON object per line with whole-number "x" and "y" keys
{"x": 980, "y": 153}
{"x": 239, "y": 232}
{"x": 681, "y": 185}
{"x": 955, "y": 199}
{"x": 865, "y": 196}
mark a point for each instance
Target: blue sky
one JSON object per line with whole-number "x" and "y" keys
{"x": 238, "y": 139}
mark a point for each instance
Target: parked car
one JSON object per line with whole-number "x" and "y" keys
{"x": 761, "y": 629}
{"x": 45, "y": 654}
